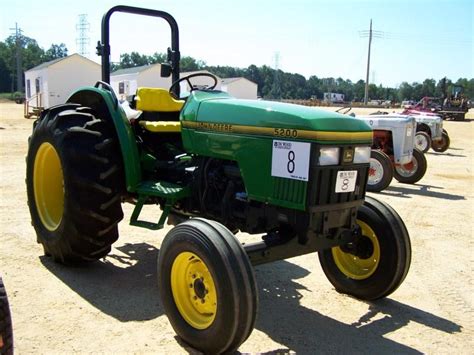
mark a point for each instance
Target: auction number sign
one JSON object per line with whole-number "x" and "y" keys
{"x": 291, "y": 159}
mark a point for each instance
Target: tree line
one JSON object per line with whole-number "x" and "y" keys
{"x": 272, "y": 84}
{"x": 277, "y": 84}
{"x": 31, "y": 55}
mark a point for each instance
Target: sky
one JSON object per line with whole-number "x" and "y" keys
{"x": 417, "y": 39}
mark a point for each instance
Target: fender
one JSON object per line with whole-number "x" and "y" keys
{"x": 106, "y": 105}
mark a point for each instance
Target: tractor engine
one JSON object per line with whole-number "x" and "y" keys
{"x": 219, "y": 193}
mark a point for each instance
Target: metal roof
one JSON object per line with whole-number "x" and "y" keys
{"x": 133, "y": 70}
{"x": 54, "y": 61}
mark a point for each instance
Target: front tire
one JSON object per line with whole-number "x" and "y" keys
{"x": 422, "y": 141}
{"x": 380, "y": 171}
{"x": 378, "y": 261}
{"x": 207, "y": 286}
{"x": 74, "y": 184}
{"x": 6, "y": 330}
{"x": 412, "y": 172}
{"x": 442, "y": 145}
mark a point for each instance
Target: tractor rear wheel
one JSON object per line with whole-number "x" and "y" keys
{"x": 6, "y": 331}
{"x": 207, "y": 286}
{"x": 74, "y": 184}
{"x": 443, "y": 144}
{"x": 380, "y": 171}
{"x": 422, "y": 141}
{"x": 412, "y": 172}
{"x": 376, "y": 263}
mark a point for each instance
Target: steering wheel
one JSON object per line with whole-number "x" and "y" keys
{"x": 186, "y": 78}
{"x": 345, "y": 108}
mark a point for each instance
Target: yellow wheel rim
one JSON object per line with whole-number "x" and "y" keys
{"x": 193, "y": 290}
{"x": 48, "y": 184}
{"x": 353, "y": 266}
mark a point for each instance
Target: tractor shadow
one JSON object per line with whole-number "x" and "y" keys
{"x": 306, "y": 331}
{"x": 123, "y": 285}
{"x": 447, "y": 154}
{"x": 420, "y": 190}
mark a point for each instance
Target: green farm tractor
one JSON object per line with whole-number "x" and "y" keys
{"x": 215, "y": 165}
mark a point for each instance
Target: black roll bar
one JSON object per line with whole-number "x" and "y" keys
{"x": 103, "y": 48}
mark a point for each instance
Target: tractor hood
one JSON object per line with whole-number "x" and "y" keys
{"x": 219, "y": 111}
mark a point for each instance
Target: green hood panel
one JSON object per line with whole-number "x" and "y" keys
{"x": 218, "y": 107}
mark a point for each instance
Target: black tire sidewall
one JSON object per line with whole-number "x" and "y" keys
{"x": 6, "y": 329}
{"x": 428, "y": 140}
{"x": 395, "y": 255}
{"x": 442, "y": 145}
{"x": 226, "y": 331}
{"x": 44, "y": 135}
{"x": 387, "y": 167}
{"x": 92, "y": 178}
{"x": 418, "y": 173}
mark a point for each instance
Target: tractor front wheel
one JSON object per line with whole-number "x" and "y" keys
{"x": 376, "y": 263}
{"x": 207, "y": 286}
{"x": 422, "y": 141}
{"x": 412, "y": 172}
{"x": 380, "y": 171}
{"x": 442, "y": 145}
{"x": 74, "y": 181}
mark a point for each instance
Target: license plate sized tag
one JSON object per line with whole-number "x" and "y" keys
{"x": 346, "y": 181}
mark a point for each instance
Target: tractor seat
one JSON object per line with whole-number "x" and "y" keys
{"x": 160, "y": 112}
{"x": 156, "y": 100}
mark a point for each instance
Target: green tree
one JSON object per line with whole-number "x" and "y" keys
{"x": 428, "y": 88}
{"x": 55, "y": 51}
{"x": 31, "y": 55}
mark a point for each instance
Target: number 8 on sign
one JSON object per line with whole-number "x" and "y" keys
{"x": 291, "y": 162}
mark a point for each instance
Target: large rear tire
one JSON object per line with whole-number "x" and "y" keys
{"x": 412, "y": 172}
{"x": 378, "y": 261}
{"x": 380, "y": 171}
{"x": 6, "y": 330}
{"x": 442, "y": 145}
{"x": 207, "y": 286}
{"x": 74, "y": 183}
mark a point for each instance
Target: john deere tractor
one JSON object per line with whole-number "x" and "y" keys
{"x": 215, "y": 165}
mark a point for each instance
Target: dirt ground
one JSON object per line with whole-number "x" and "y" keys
{"x": 112, "y": 306}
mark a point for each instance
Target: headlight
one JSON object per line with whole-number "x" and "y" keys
{"x": 329, "y": 156}
{"x": 409, "y": 131}
{"x": 362, "y": 155}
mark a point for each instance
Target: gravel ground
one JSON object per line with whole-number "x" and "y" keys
{"x": 112, "y": 306}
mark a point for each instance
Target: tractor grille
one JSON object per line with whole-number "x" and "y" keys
{"x": 321, "y": 190}
{"x": 289, "y": 190}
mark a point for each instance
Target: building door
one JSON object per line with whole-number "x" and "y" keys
{"x": 28, "y": 88}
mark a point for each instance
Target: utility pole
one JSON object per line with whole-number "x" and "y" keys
{"x": 18, "y": 48}
{"x": 366, "y": 94}
{"x": 371, "y": 34}
{"x": 276, "y": 79}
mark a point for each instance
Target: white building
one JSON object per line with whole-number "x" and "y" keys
{"x": 333, "y": 97}
{"x": 126, "y": 81}
{"x": 240, "y": 88}
{"x": 51, "y": 83}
